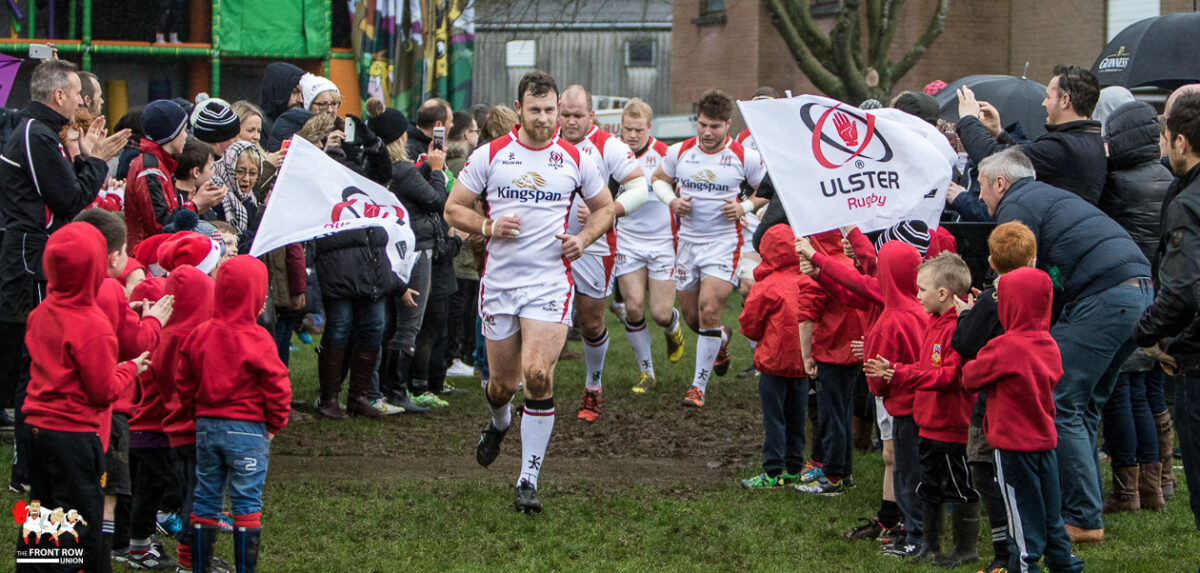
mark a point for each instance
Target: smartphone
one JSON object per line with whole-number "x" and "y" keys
{"x": 349, "y": 131}
{"x": 40, "y": 51}
{"x": 285, "y": 145}
{"x": 439, "y": 138}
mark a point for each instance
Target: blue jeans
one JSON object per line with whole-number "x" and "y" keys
{"x": 357, "y": 318}
{"x": 1156, "y": 390}
{"x": 1129, "y": 428}
{"x": 1093, "y": 335}
{"x": 283, "y": 337}
{"x": 236, "y": 451}
{"x": 1187, "y": 425}
{"x": 785, "y": 415}
{"x": 835, "y": 407}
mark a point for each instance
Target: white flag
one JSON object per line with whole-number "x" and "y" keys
{"x": 315, "y": 196}
{"x": 835, "y": 165}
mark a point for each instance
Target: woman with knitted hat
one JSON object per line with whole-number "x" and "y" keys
{"x": 215, "y": 123}
{"x": 320, "y": 94}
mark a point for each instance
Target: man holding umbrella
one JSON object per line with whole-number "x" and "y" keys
{"x": 1069, "y": 156}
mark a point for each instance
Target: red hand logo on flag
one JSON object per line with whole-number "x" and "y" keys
{"x": 846, "y": 129}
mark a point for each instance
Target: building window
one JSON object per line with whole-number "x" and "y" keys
{"x": 711, "y": 6}
{"x": 1122, "y": 13}
{"x": 639, "y": 53}
{"x": 521, "y": 53}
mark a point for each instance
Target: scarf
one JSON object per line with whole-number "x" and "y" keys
{"x": 224, "y": 173}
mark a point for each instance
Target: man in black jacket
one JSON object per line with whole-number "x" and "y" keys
{"x": 1173, "y": 319}
{"x": 43, "y": 191}
{"x": 1104, "y": 280}
{"x": 1069, "y": 156}
{"x": 433, "y": 113}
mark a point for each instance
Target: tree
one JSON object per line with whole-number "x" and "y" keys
{"x": 838, "y": 63}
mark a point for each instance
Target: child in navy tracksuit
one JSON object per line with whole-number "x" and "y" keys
{"x": 1019, "y": 370}
{"x": 231, "y": 379}
{"x": 778, "y": 315}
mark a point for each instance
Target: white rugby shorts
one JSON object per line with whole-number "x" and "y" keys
{"x": 657, "y": 259}
{"x": 501, "y": 310}
{"x": 883, "y": 419}
{"x": 694, "y": 261}
{"x": 593, "y": 275}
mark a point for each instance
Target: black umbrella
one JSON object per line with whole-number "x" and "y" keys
{"x": 1159, "y": 52}
{"x": 1017, "y": 99}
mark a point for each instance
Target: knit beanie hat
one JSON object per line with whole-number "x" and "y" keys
{"x": 388, "y": 123}
{"x": 213, "y": 120}
{"x": 163, "y": 120}
{"x": 188, "y": 248}
{"x": 919, "y": 104}
{"x": 914, "y": 232}
{"x": 312, "y": 85}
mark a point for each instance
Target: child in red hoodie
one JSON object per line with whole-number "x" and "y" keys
{"x": 1020, "y": 420}
{"x": 781, "y": 299}
{"x": 74, "y": 380}
{"x": 135, "y": 335}
{"x": 941, "y": 409}
{"x": 231, "y": 378}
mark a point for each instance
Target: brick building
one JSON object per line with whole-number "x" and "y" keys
{"x": 732, "y": 45}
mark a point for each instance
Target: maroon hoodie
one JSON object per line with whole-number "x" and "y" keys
{"x": 837, "y": 324}
{"x": 160, "y": 410}
{"x": 1020, "y": 368}
{"x": 134, "y": 335}
{"x": 896, "y": 334}
{"x": 74, "y": 376}
{"x": 941, "y": 406}
{"x": 780, "y": 299}
{"x": 229, "y": 366}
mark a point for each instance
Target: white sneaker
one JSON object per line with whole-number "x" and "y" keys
{"x": 458, "y": 369}
{"x": 385, "y": 408}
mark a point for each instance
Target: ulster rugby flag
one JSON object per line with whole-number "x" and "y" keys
{"x": 316, "y": 196}
{"x": 835, "y": 165}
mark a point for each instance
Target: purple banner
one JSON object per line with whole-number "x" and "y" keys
{"x": 9, "y": 65}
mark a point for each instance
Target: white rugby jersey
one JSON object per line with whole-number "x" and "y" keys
{"x": 536, "y": 185}
{"x": 709, "y": 179}
{"x": 615, "y": 161}
{"x": 652, "y": 222}
{"x": 747, "y": 140}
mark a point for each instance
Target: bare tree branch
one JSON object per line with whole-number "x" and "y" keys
{"x": 820, "y": 77}
{"x": 850, "y": 74}
{"x": 874, "y": 45}
{"x": 814, "y": 39}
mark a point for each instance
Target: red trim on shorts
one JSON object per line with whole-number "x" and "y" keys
{"x": 608, "y": 262}
{"x": 737, "y": 254}
{"x": 567, "y": 269}
{"x": 610, "y": 236}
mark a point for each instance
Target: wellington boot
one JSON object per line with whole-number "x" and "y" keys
{"x": 934, "y": 526}
{"x": 964, "y": 523}
{"x": 362, "y": 369}
{"x": 329, "y": 376}
{"x": 1150, "y": 487}
{"x": 1166, "y": 453}
{"x": 1124, "y": 496}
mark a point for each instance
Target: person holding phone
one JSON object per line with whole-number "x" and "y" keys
{"x": 432, "y": 114}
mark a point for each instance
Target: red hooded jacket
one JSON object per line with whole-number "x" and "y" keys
{"x": 896, "y": 334}
{"x": 229, "y": 367}
{"x": 779, "y": 301}
{"x": 74, "y": 376}
{"x": 1020, "y": 368}
{"x": 134, "y": 335}
{"x": 837, "y": 324}
{"x": 160, "y": 410}
{"x": 150, "y": 197}
{"x": 941, "y": 406}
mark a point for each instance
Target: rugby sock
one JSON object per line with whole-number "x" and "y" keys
{"x": 639, "y": 339}
{"x": 501, "y": 415}
{"x": 708, "y": 344}
{"x": 139, "y": 546}
{"x": 106, "y": 528}
{"x": 674, "y": 321}
{"x": 594, "y": 352}
{"x": 536, "y": 426}
{"x": 889, "y": 513}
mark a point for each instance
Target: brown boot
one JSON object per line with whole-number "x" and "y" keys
{"x": 329, "y": 376}
{"x": 1081, "y": 535}
{"x": 1166, "y": 453}
{"x": 1124, "y": 496}
{"x": 362, "y": 368}
{"x": 1150, "y": 487}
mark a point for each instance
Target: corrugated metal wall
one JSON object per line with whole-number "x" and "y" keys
{"x": 595, "y": 59}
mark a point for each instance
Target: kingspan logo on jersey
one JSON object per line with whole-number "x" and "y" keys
{"x": 704, "y": 180}
{"x": 841, "y": 136}
{"x": 528, "y": 187}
